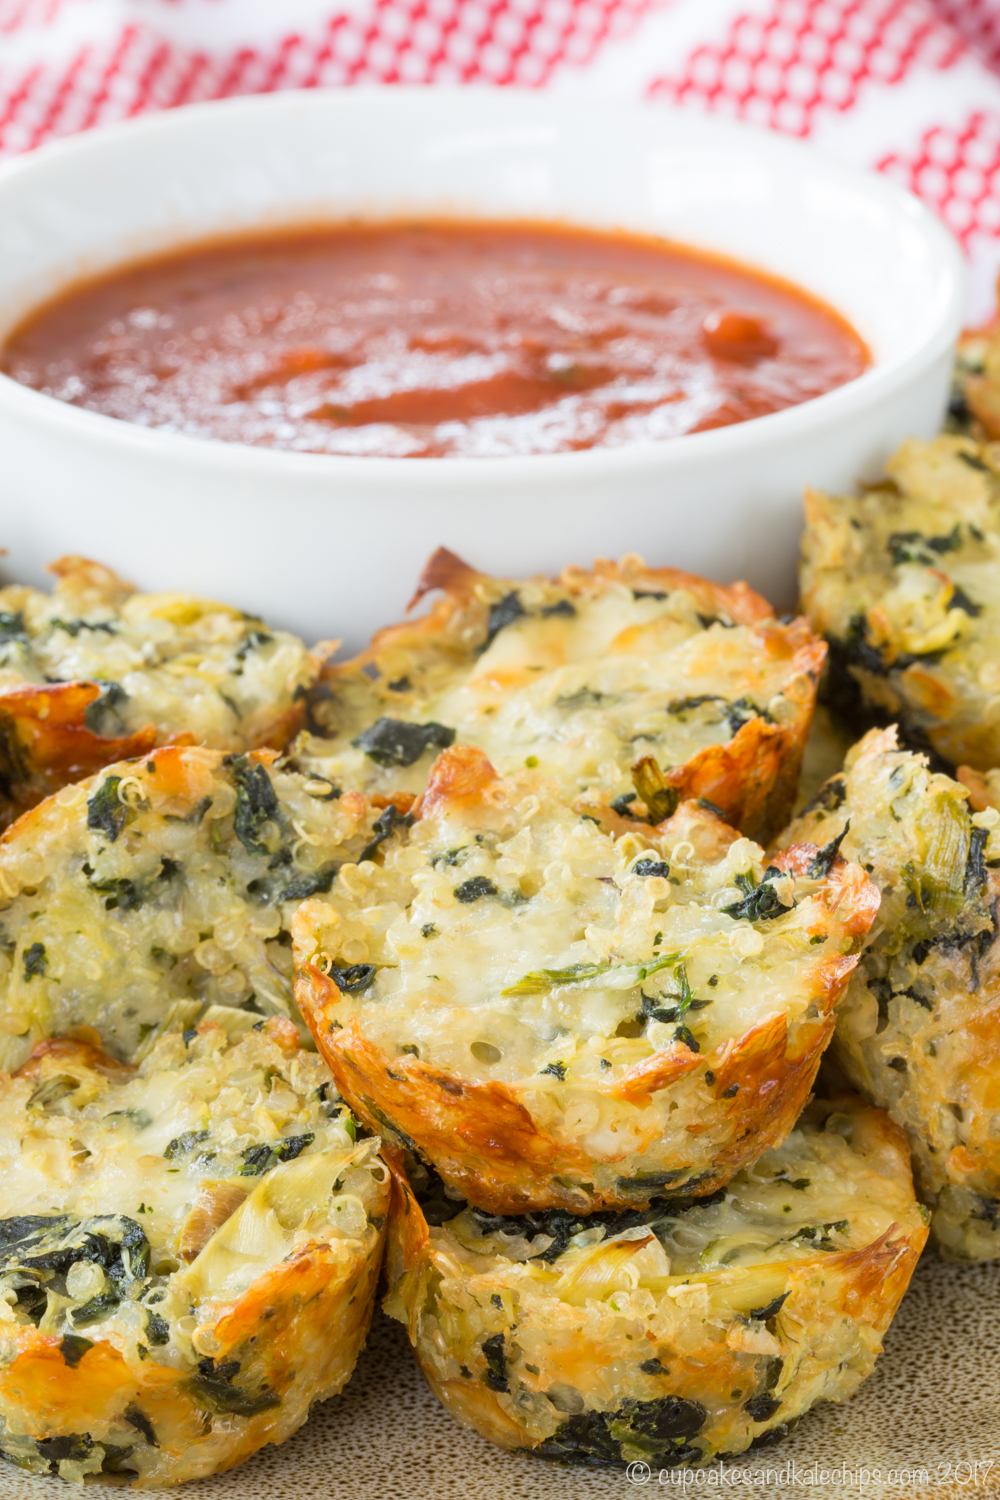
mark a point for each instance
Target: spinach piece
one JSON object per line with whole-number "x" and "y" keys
{"x": 819, "y": 1234}
{"x": 913, "y": 546}
{"x": 97, "y": 1308}
{"x": 475, "y": 889}
{"x": 212, "y": 1387}
{"x": 100, "y": 716}
{"x": 350, "y": 980}
{"x": 260, "y": 1159}
{"x": 122, "y": 894}
{"x": 27, "y": 1228}
{"x": 183, "y": 1145}
{"x": 561, "y": 1224}
{"x": 256, "y": 803}
{"x": 684, "y": 705}
{"x": 12, "y": 628}
{"x": 646, "y": 1182}
{"x": 396, "y": 742}
{"x": 961, "y": 600}
{"x": 713, "y": 807}
{"x": 106, "y": 813}
{"x": 826, "y": 857}
{"x": 73, "y": 1347}
{"x": 305, "y": 886}
{"x": 564, "y": 607}
{"x": 55, "y": 1243}
{"x": 760, "y": 904}
{"x": 623, "y": 805}
{"x": 772, "y": 1309}
{"x": 661, "y": 1428}
{"x": 157, "y": 1329}
{"x": 115, "y": 1460}
{"x": 975, "y": 864}
{"x": 741, "y": 712}
{"x": 496, "y": 1363}
{"x": 654, "y": 1010}
{"x": 857, "y": 648}
{"x": 653, "y": 788}
{"x": 651, "y": 867}
{"x": 386, "y": 825}
{"x": 761, "y": 1408}
{"x": 503, "y": 613}
{"x": 136, "y": 1417}
{"x": 255, "y": 639}
{"x": 584, "y": 697}
{"x": 557, "y": 1069}
{"x": 73, "y": 627}
{"x": 73, "y": 1445}
{"x": 831, "y": 795}
{"x": 35, "y": 961}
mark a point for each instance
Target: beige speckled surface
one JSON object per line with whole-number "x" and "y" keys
{"x": 933, "y": 1404}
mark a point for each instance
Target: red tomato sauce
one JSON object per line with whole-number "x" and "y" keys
{"x": 429, "y": 339}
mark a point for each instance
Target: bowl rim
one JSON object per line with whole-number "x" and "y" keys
{"x": 456, "y": 473}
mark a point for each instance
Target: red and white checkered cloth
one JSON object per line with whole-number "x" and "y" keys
{"x": 911, "y": 87}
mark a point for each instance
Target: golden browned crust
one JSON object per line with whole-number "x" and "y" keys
{"x": 315, "y": 1310}
{"x": 64, "y": 713}
{"x": 141, "y": 1367}
{"x": 45, "y": 743}
{"x": 432, "y": 670}
{"x": 678, "y": 1111}
{"x": 679, "y": 1338}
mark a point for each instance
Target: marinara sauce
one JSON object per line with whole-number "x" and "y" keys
{"x": 435, "y": 339}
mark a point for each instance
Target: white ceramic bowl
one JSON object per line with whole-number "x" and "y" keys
{"x": 332, "y": 545}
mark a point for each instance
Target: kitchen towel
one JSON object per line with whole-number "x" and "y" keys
{"x": 909, "y": 87}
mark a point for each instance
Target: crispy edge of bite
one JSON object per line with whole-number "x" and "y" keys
{"x": 931, "y": 1062}
{"x": 179, "y": 777}
{"x": 881, "y": 671}
{"x": 295, "y": 1332}
{"x": 751, "y": 777}
{"x": 45, "y": 743}
{"x": 481, "y": 1137}
{"x": 858, "y": 1288}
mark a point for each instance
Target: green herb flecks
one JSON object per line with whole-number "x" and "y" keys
{"x": 396, "y": 742}
{"x": 627, "y": 976}
{"x": 256, "y": 804}
{"x": 106, "y": 812}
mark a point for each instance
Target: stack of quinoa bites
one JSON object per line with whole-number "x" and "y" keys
{"x": 903, "y": 582}
{"x": 469, "y": 948}
{"x": 585, "y": 1011}
{"x": 191, "y": 1220}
